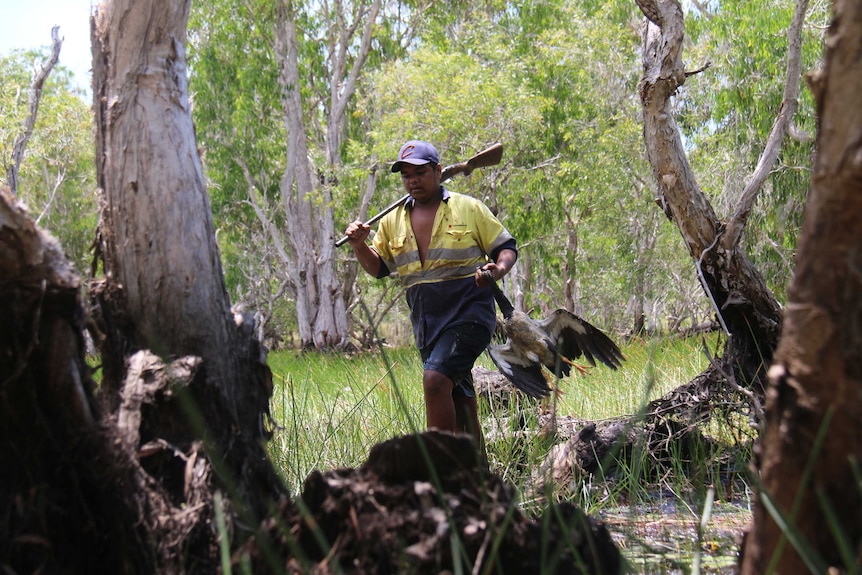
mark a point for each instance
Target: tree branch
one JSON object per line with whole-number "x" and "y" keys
{"x": 780, "y": 127}
{"x": 40, "y": 74}
{"x": 701, "y": 6}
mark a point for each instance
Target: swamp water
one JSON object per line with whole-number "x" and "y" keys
{"x": 666, "y": 535}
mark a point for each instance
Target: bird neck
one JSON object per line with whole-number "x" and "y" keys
{"x": 506, "y": 307}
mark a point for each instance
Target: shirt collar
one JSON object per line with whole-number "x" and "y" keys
{"x": 410, "y": 201}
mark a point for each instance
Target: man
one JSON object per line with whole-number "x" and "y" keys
{"x": 439, "y": 243}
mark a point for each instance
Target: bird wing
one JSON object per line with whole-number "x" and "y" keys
{"x": 523, "y": 373}
{"x": 575, "y": 337}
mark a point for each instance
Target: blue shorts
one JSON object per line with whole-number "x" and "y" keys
{"x": 455, "y": 352}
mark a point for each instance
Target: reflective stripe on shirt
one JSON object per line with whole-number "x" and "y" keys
{"x": 463, "y": 234}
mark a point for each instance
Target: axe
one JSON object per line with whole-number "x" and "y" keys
{"x": 488, "y": 157}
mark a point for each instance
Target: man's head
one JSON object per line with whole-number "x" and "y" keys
{"x": 417, "y": 153}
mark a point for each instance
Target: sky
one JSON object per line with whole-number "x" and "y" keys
{"x": 27, "y": 25}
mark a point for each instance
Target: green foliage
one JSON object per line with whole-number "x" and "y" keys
{"x": 237, "y": 109}
{"x": 57, "y": 174}
{"x": 330, "y": 409}
{"x": 562, "y": 100}
{"x": 556, "y": 82}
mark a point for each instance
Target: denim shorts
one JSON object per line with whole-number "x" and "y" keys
{"x": 455, "y": 352}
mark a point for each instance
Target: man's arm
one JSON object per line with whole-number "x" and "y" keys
{"x": 357, "y": 232}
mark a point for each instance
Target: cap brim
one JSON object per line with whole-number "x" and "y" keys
{"x": 396, "y": 167}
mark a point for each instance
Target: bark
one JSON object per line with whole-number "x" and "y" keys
{"x": 342, "y": 84}
{"x": 163, "y": 288}
{"x": 572, "y": 295}
{"x": 59, "y": 470}
{"x": 811, "y": 446}
{"x": 645, "y": 233}
{"x": 320, "y": 299}
{"x": 744, "y": 304}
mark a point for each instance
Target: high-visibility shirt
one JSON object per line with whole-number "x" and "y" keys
{"x": 442, "y": 291}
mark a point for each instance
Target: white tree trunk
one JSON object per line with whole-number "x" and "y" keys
{"x": 321, "y": 309}
{"x": 163, "y": 256}
{"x": 164, "y": 288}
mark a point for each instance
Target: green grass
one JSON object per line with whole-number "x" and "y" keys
{"x": 330, "y": 409}
{"x": 652, "y": 368}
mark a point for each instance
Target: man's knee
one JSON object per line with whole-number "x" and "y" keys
{"x": 436, "y": 384}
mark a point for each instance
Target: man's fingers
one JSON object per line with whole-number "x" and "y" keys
{"x": 484, "y": 277}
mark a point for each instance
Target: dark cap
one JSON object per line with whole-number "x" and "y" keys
{"x": 416, "y": 152}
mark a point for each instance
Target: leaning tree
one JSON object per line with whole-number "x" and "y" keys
{"x": 745, "y": 306}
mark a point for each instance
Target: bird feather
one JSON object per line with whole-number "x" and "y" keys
{"x": 524, "y": 374}
{"x": 575, "y": 337}
{"x": 553, "y": 342}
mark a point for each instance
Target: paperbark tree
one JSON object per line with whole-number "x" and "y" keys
{"x": 320, "y": 307}
{"x": 163, "y": 287}
{"x": 247, "y": 108}
{"x": 811, "y": 448}
{"x": 744, "y": 304}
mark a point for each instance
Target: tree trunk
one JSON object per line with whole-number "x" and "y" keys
{"x": 320, "y": 309}
{"x": 572, "y": 299}
{"x": 40, "y": 75}
{"x": 164, "y": 289}
{"x": 320, "y": 301}
{"x": 60, "y": 478}
{"x": 811, "y": 446}
{"x": 744, "y": 304}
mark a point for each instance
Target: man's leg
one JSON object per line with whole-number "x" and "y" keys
{"x": 452, "y": 406}
{"x": 439, "y": 407}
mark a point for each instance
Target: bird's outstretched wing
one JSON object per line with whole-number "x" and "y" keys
{"x": 523, "y": 373}
{"x": 575, "y": 337}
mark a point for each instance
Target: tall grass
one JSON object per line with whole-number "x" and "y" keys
{"x": 330, "y": 409}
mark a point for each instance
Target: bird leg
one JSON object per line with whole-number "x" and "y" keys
{"x": 582, "y": 369}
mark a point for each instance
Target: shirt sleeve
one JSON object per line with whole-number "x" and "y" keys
{"x": 493, "y": 236}
{"x": 510, "y": 244}
{"x": 380, "y": 244}
{"x": 384, "y": 270}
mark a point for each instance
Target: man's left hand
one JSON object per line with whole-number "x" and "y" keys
{"x": 488, "y": 274}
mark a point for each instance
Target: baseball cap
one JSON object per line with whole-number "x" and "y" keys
{"x": 416, "y": 152}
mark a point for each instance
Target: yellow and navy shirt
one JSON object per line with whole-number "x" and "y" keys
{"x": 442, "y": 292}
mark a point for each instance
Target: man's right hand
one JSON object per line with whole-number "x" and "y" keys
{"x": 357, "y": 232}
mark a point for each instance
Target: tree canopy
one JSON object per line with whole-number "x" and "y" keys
{"x": 57, "y": 177}
{"x": 555, "y": 82}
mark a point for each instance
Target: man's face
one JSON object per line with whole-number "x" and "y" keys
{"x": 421, "y": 182}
